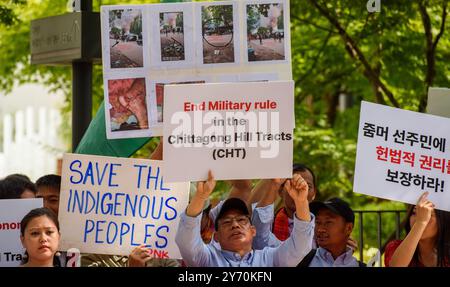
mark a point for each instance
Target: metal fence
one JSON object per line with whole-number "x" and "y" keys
{"x": 360, "y": 214}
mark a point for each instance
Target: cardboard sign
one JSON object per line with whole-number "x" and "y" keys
{"x": 12, "y": 212}
{"x": 146, "y": 46}
{"x": 238, "y": 130}
{"x": 401, "y": 154}
{"x": 111, "y": 205}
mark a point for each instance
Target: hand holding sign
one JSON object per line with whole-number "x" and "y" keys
{"x": 297, "y": 188}
{"x": 204, "y": 190}
{"x": 424, "y": 209}
{"x": 139, "y": 256}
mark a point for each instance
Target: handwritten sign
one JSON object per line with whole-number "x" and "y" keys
{"x": 11, "y": 213}
{"x": 401, "y": 154}
{"x": 238, "y": 130}
{"x": 111, "y": 205}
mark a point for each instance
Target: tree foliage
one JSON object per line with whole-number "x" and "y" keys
{"x": 340, "y": 51}
{"x": 8, "y": 15}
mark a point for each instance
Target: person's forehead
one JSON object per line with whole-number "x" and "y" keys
{"x": 232, "y": 212}
{"x": 40, "y": 222}
{"x": 38, "y": 228}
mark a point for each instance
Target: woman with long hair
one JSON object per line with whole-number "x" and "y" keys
{"x": 427, "y": 243}
{"x": 39, "y": 234}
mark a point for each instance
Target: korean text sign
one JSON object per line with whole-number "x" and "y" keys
{"x": 401, "y": 154}
{"x": 110, "y": 205}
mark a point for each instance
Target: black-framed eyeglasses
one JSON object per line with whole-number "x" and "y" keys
{"x": 242, "y": 220}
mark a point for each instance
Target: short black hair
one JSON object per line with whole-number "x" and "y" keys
{"x": 20, "y": 176}
{"x": 49, "y": 180}
{"x": 38, "y": 212}
{"x": 12, "y": 186}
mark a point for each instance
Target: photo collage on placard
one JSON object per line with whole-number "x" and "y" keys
{"x": 141, "y": 40}
{"x": 265, "y": 32}
{"x": 125, "y": 38}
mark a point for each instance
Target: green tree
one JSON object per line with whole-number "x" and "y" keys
{"x": 8, "y": 14}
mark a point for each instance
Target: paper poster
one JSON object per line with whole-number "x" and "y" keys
{"x": 402, "y": 154}
{"x": 265, "y": 22}
{"x": 237, "y": 130}
{"x": 110, "y": 205}
{"x": 223, "y": 41}
{"x": 12, "y": 212}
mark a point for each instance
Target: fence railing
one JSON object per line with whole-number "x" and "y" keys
{"x": 379, "y": 218}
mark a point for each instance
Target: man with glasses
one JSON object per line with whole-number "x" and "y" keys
{"x": 235, "y": 232}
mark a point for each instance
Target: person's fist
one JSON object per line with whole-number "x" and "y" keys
{"x": 297, "y": 188}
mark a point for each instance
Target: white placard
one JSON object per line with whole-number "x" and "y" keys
{"x": 223, "y": 41}
{"x": 12, "y": 212}
{"x": 238, "y": 130}
{"x": 110, "y": 205}
{"x": 401, "y": 154}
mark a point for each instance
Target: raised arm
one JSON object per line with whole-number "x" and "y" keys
{"x": 299, "y": 243}
{"x": 269, "y": 191}
{"x": 204, "y": 190}
{"x": 263, "y": 215}
{"x": 188, "y": 237}
{"x": 241, "y": 189}
{"x": 259, "y": 190}
{"x": 405, "y": 251}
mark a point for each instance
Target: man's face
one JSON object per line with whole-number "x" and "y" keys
{"x": 331, "y": 231}
{"x": 289, "y": 202}
{"x": 235, "y": 231}
{"x": 50, "y": 196}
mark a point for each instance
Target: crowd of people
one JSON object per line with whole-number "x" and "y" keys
{"x": 245, "y": 229}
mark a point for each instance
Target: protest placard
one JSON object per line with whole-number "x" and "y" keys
{"x": 238, "y": 130}
{"x": 11, "y": 213}
{"x": 401, "y": 154}
{"x": 221, "y": 41}
{"x": 110, "y": 205}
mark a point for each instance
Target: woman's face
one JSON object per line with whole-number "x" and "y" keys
{"x": 40, "y": 239}
{"x": 431, "y": 230}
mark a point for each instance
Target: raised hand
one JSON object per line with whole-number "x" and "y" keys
{"x": 297, "y": 188}
{"x": 424, "y": 209}
{"x": 205, "y": 188}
